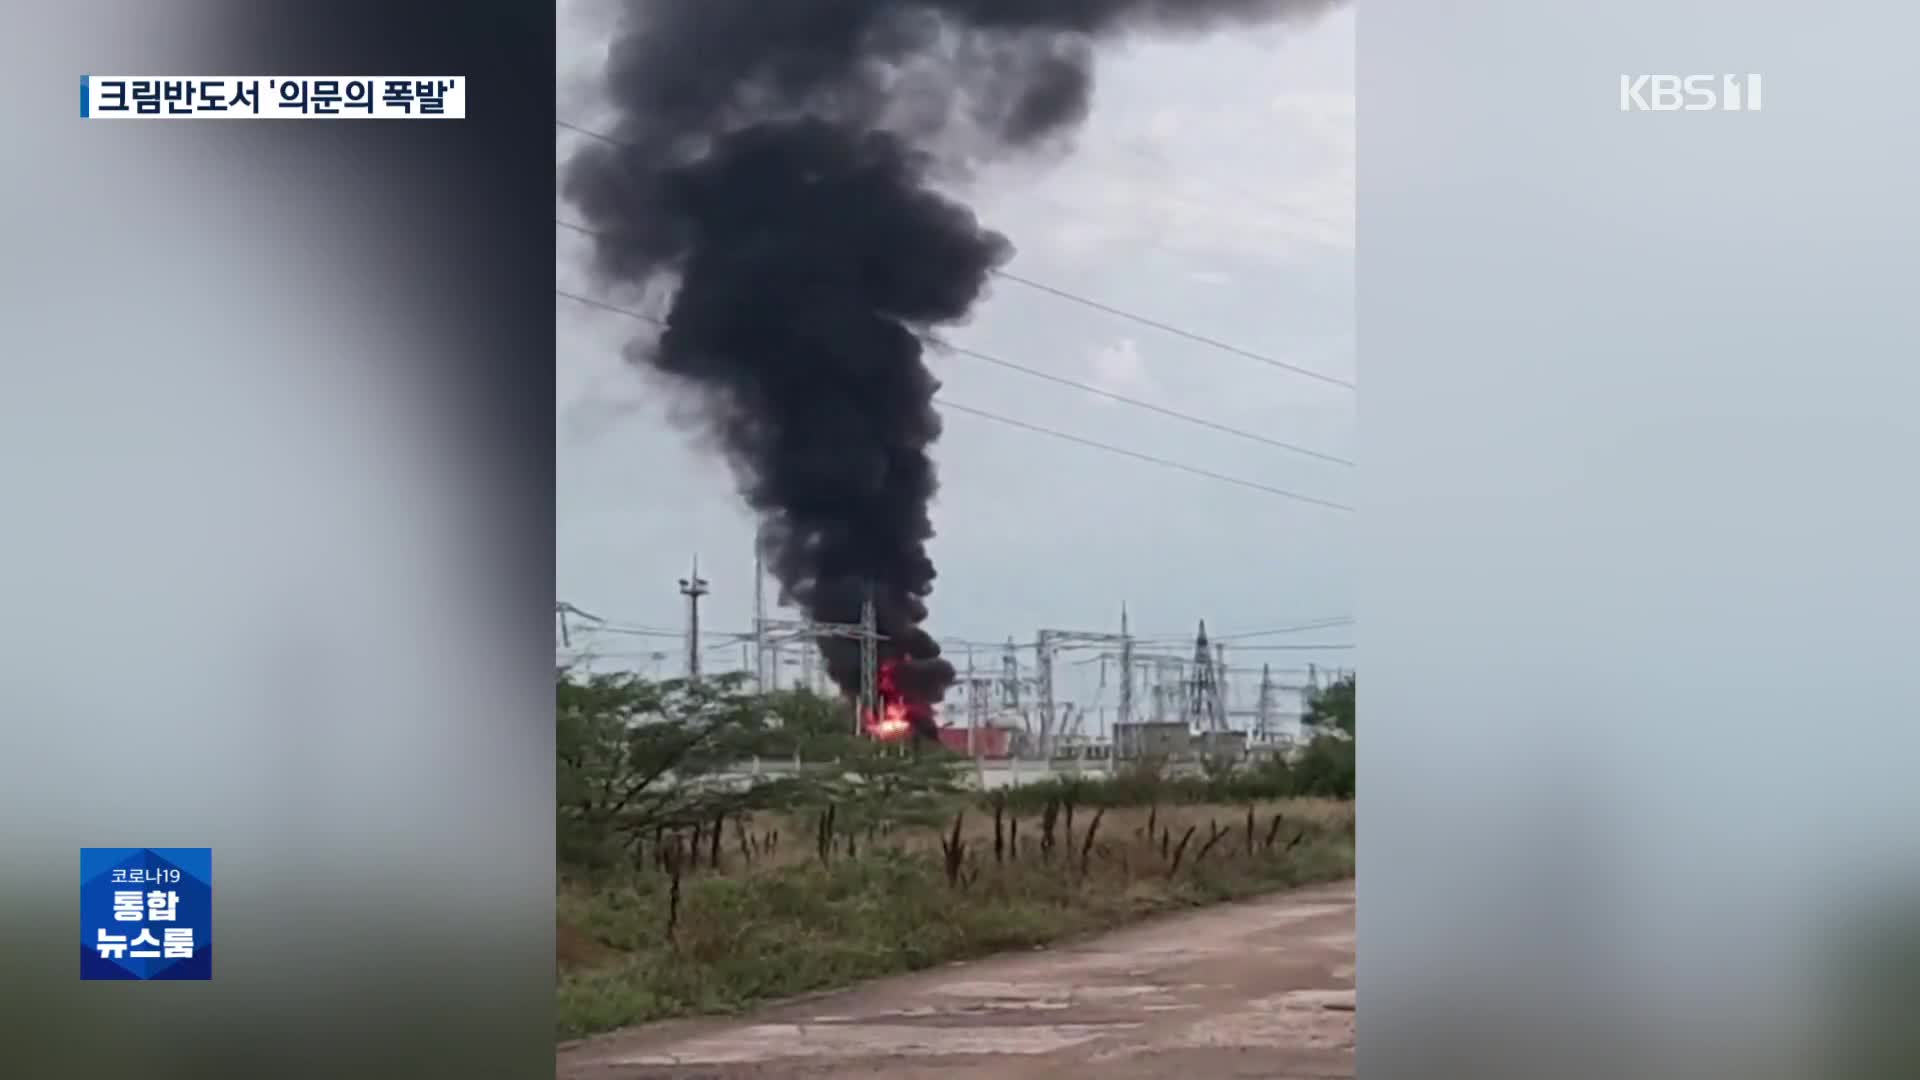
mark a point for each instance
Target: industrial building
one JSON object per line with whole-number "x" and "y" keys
{"x": 1152, "y": 738}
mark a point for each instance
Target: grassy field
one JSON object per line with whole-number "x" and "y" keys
{"x": 779, "y": 921}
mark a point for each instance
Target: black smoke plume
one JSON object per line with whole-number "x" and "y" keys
{"x": 773, "y": 159}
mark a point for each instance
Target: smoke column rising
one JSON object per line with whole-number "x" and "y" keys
{"x": 773, "y": 163}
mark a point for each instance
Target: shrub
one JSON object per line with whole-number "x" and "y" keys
{"x": 1326, "y": 770}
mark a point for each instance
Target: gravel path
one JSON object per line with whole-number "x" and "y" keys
{"x": 1260, "y": 989}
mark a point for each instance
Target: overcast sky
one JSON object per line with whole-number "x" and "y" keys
{"x": 1212, "y": 190}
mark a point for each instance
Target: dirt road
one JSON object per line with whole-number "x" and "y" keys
{"x": 1262, "y": 989}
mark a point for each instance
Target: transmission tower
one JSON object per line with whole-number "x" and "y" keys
{"x": 1154, "y": 689}
{"x": 1203, "y": 699}
{"x": 1049, "y": 643}
{"x": 979, "y": 702}
{"x": 1010, "y": 678}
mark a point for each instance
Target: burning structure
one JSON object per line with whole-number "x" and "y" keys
{"x": 898, "y": 714}
{"x": 773, "y": 165}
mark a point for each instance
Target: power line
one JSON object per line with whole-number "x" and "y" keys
{"x": 1161, "y": 160}
{"x": 1123, "y": 399}
{"x": 1323, "y": 624}
{"x": 728, "y": 640}
{"x": 1085, "y": 301}
{"x": 1172, "y": 329}
{"x": 1294, "y": 648}
{"x": 1037, "y": 429}
{"x": 583, "y": 230}
{"x": 590, "y": 631}
{"x": 615, "y": 308}
{"x": 608, "y": 139}
{"x": 565, "y": 608}
{"x": 726, "y": 645}
{"x": 1318, "y": 624}
{"x": 1253, "y": 485}
{"x": 1138, "y": 404}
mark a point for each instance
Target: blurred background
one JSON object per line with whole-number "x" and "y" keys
{"x": 278, "y": 494}
{"x": 1636, "y": 397}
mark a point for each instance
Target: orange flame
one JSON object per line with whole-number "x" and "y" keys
{"x": 891, "y": 722}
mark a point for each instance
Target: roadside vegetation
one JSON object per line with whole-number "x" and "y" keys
{"x": 690, "y": 885}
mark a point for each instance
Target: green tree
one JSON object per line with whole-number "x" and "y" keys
{"x": 815, "y": 727}
{"x": 895, "y": 784}
{"x": 1331, "y": 708}
{"x": 1325, "y": 769}
{"x": 637, "y": 755}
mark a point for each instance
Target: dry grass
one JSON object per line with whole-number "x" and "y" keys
{"x": 796, "y": 834}
{"x": 788, "y": 922}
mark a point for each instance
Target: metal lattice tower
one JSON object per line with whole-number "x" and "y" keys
{"x": 1049, "y": 643}
{"x": 1125, "y": 712}
{"x": 1203, "y": 700}
{"x": 1150, "y": 682}
{"x": 809, "y": 635}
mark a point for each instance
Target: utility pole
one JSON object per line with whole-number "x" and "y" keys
{"x": 565, "y": 611}
{"x": 693, "y": 588}
{"x": 1265, "y": 707}
{"x": 973, "y": 693}
{"x": 869, "y": 663}
{"x": 979, "y": 696}
{"x": 1043, "y": 657}
{"x": 980, "y": 692}
{"x": 1010, "y": 679}
{"x": 759, "y": 618}
{"x": 1222, "y": 684}
{"x": 809, "y": 645}
{"x": 1126, "y": 670}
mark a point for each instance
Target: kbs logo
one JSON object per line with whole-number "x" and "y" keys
{"x": 1689, "y": 93}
